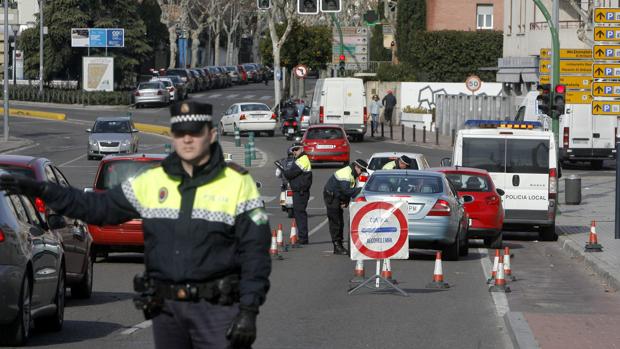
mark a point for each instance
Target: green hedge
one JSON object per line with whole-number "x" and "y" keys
{"x": 452, "y": 55}
{"x": 63, "y": 96}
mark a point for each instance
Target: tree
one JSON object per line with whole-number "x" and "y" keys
{"x": 231, "y": 23}
{"x": 281, "y": 10}
{"x": 411, "y": 18}
{"x": 156, "y": 32}
{"x": 198, "y": 14}
{"x": 173, "y": 16}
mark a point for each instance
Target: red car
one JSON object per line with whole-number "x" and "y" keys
{"x": 113, "y": 170}
{"x": 326, "y": 143}
{"x": 486, "y": 212}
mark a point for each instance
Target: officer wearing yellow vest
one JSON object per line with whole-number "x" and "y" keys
{"x": 206, "y": 247}
{"x": 337, "y": 193}
{"x": 299, "y": 175}
{"x": 403, "y": 162}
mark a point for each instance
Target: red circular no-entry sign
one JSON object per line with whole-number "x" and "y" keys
{"x": 394, "y": 247}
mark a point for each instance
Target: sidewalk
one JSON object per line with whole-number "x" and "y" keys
{"x": 432, "y": 141}
{"x": 14, "y": 143}
{"x": 573, "y": 226}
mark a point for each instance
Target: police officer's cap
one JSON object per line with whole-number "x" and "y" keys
{"x": 407, "y": 160}
{"x": 190, "y": 116}
{"x": 361, "y": 163}
{"x": 296, "y": 146}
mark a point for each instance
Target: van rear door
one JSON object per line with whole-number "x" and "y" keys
{"x": 488, "y": 153}
{"x": 333, "y": 102}
{"x": 603, "y": 131}
{"x": 354, "y": 102}
{"x": 580, "y": 129}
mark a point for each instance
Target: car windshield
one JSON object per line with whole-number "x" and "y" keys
{"x": 166, "y": 83}
{"x": 175, "y": 79}
{"x": 112, "y": 127}
{"x": 399, "y": 183}
{"x": 254, "y": 107}
{"x": 377, "y": 163}
{"x": 149, "y": 86}
{"x": 324, "y": 133}
{"x": 469, "y": 182}
{"x": 230, "y": 69}
{"x": 18, "y": 170}
{"x": 176, "y": 72}
{"x": 116, "y": 172}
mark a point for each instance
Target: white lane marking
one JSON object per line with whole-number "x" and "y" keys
{"x": 263, "y": 98}
{"x": 20, "y": 149}
{"x": 140, "y": 326}
{"x": 499, "y": 298}
{"x": 231, "y": 96}
{"x": 357, "y": 151}
{"x": 215, "y": 95}
{"x": 267, "y": 198}
{"x": 70, "y": 161}
{"x": 318, "y": 227}
{"x": 248, "y": 96}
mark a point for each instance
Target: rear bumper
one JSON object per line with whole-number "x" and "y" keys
{"x": 257, "y": 126}
{"x": 587, "y": 154}
{"x": 336, "y": 156}
{"x": 153, "y": 99}
{"x": 117, "y": 237}
{"x": 11, "y": 278}
{"x": 431, "y": 233}
{"x": 530, "y": 217}
{"x": 356, "y": 129}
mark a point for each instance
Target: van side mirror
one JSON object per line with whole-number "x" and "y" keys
{"x": 89, "y": 189}
{"x": 446, "y": 162}
{"x": 88, "y": 130}
{"x": 56, "y": 221}
{"x": 501, "y": 192}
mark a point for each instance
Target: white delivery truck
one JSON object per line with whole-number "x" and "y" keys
{"x": 521, "y": 159}
{"x": 582, "y": 136}
{"x": 342, "y": 102}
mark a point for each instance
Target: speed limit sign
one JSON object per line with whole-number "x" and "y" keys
{"x": 473, "y": 83}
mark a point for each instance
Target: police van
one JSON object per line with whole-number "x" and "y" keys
{"x": 521, "y": 157}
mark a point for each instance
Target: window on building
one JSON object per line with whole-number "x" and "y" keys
{"x": 484, "y": 15}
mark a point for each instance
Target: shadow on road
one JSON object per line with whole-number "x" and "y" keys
{"x": 123, "y": 258}
{"x": 73, "y": 331}
{"x": 99, "y": 298}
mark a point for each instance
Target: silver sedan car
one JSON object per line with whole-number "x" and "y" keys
{"x": 436, "y": 215}
{"x": 152, "y": 92}
{"x": 112, "y": 135}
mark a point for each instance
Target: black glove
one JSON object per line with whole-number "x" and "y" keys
{"x": 16, "y": 184}
{"x": 242, "y": 331}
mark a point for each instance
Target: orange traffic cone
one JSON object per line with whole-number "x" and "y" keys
{"x": 293, "y": 239}
{"x": 280, "y": 240}
{"x": 438, "y": 274}
{"x": 507, "y": 268}
{"x": 359, "y": 272}
{"x": 386, "y": 271}
{"x": 593, "y": 245}
{"x": 495, "y": 266}
{"x": 273, "y": 250}
{"x": 500, "y": 281}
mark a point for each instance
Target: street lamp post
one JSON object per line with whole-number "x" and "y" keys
{"x": 5, "y": 89}
{"x": 14, "y": 29}
{"x": 41, "y": 4}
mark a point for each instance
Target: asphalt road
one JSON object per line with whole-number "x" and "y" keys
{"x": 308, "y": 306}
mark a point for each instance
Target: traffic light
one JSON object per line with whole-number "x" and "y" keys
{"x": 307, "y": 7}
{"x": 371, "y": 17}
{"x": 544, "y": 98}
{"x": 342, "y": 65}
{"x": 263, "y": 4}
{"x": 558, "y": 101}
{"x": 331, "y": 5}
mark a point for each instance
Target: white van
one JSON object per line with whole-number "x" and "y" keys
{"x": 342, "y": 102}
{"x": 521, "y": 159}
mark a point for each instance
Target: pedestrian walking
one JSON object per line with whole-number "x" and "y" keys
{"x": 299, "y": 175}
{"x": 403, "y": 162}
{"x": 266, "y": 77}
{"x": 375, "y": 110}
{"x": 389, "y": 102}
{"x": 206, "y": 247}
{"x": 337, "y": 194}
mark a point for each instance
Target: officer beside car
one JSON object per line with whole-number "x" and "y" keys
{"x": 299, "y": 175}
{"x": 403, "y": 162}
{"x": 206, "y": 247}
{"x": 337, "y": 194}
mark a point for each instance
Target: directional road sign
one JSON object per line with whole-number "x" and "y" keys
{"x": 570, "y": 81}
{"x": 605, "y": 107}
{"x": 606, "y": 15}
{"x": 606, "y": 34}
{"x": 606, "y": 89}
{"x": 606, "y": 71}
{"x": 567, "y": 53}
{"x": 300, "y": 71}
{"x": 578, "y": 97}
{"x": 606, "y": 52}
{"x": 567, "y": 66}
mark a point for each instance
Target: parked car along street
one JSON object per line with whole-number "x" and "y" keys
{"x": 151, "y": 93}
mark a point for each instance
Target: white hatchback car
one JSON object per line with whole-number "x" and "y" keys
{"x": 251, "y": 116}
{"x": 378, "y": 160}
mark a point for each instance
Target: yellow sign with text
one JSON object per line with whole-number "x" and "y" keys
{"x": 578, "y": 97}
{"x": 605, "y": 107}
{"x": 606, "y": 70}
{"x": 567, "y": 66}
{"x": 571, "y": 82}
{"x": 606, "y": 15}
{"x": 606, "y": 52}
{"x": 606, "y": 89}
{"x": 567, "y": 53}
{"x": 606, "y": 34}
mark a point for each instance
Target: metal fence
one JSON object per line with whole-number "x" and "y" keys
{"x": 453, "y": 110}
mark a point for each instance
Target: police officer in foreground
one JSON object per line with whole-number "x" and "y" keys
{"x": 338, "y": 191}
{"x": 403, "y": 162}
{"x": 205, "y": 245}
{"x": 299, "y": 175}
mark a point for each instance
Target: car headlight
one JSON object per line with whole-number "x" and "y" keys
{"x": 125, "y": 143}
{"x": 93, "y": 143}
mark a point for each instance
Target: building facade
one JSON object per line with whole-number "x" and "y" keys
{"x": 464, "y": 15}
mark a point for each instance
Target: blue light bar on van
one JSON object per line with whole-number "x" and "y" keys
{"x": 502, "y": 124}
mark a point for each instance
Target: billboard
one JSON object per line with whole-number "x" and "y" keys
{"x": 97, "y": 37}
{"x": 98, "y": 73}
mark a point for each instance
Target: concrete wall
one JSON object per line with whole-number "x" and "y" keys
{"x": 460, "y": 14}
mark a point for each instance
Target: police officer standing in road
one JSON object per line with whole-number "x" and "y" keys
{"x": 403, "y": 162}
{"x": 299, "y": 175}
{"x": 206, "y": 247}
{"x": 338, "y": 191}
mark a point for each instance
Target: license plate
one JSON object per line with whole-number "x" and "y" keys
{"x": 333, "y": 116}
{"x": 414, "y": 208}
{"x": 325, "y": 146}
{"x": 290, "y": 130}
{"x": 580, "y": 141}
{"x": 258, "y": 116}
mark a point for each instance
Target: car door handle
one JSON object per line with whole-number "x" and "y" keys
{"x": 515, "y": 180}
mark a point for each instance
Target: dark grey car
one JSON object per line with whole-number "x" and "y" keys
{"x": 32, "y": 270}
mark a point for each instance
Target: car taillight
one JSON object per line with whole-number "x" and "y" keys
{"x": 274, "y": 116}
{"x": 441, "y": 208}
{"x": 1, "y": 236}
{"x": 565, "y": 137}
{"x": 321, "y": 114}
{"x": 137, "y": 93}
{"x": 39, "y": 205}
{"x": 491, "y": 200}
{"x": 553, "y": 183}
{"x": 365, "y": 115}
{"x": 159, "y": 92}
{"x": 289, "y": 193}
{"x": 286, "y": 123}
{"x": 363, "y": 178}
{"x": 360, "y": 199}
{"x": 242, "y": 117}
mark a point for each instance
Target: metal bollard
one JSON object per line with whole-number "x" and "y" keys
{"x": 252, "y": 146}
{"x": 423, "y": 134}
{"x": 391, "y": 131}
{"x": 382, "y": 134}
{"x": 237, "y": 138}
{"x": 248, "y": 156}
{"x": 453, "y": 136}
{"x": 402, "y": 132}
{"x": 572, "y": 190}
{"x": 436, "y": 136}
{"x": 414, "y": 133}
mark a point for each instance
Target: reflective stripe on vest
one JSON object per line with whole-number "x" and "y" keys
{"x": 346, "y": 174}
{"x": 389, "y": 166}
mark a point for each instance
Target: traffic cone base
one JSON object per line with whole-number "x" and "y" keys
{"x": 274, "y": 249}
{"x": 495, "y": 266}
{"x": 386, "y": 271}
{"x": 294, "y": 239}
{"x": 592, "y": 245}
{"x": 500, "y": 281}
{"x": 359, "y": 272}
{"x": 438, "y": 274}
{"x": 507, "y": 268}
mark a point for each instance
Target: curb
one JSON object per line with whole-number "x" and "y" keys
{"x": 36, "y": 114}
{"x": 15, "y": 144}
{"x": 519, "y": 330}
{"x": 599, "y": 267}
{"x": 150, "y": 128}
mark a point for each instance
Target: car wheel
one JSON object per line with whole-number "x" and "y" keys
{"x": 270, "y": 133}
{"x": 494, "y": 242}
{"x": 547, "y": 233}
{"x": 17, "y": 332}
{"x": 596, "y": 164}
{"x": 464, "y": 249}
{"x": 222, "y": 131}
{"x": 451, "y": 252}
{"x": 89, "y": 157}
{"x": 54, "y": 322}
{"x": 84, "y": 289}
{"x": 290, "y": 213}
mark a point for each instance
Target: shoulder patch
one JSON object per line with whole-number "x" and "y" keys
{"x": 236, "y": 167}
